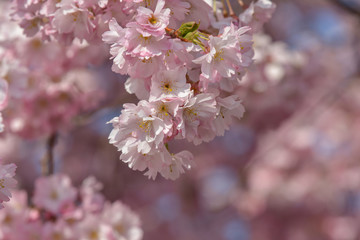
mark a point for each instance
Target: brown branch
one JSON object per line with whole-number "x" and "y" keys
{"x": 47, "y": 164}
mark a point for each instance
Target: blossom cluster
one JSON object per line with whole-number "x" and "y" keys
{"x": 182, "y": 64}
{"x": 60, "y": 211}
{"x": 48, "y": 84}
{"x": 7, "y": 182}
{"x": 183, "y": 78}
{"x": 67, "y": 20}
{"x": 63, "y": 20}
{"x": 275, "y": 62}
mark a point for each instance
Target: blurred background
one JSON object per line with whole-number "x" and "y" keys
{"x": 290, "y": 169}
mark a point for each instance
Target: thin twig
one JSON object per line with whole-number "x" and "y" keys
{"x": 48, "y": 160}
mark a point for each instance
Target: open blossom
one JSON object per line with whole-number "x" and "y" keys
{"x": 228, "y": 108}
{"x": 58, "y": 230}
{"x": 173, "y": 168}
{"x": 92, "y": 199}
{"x": 7, "y": 182}
{"x": 224, "y": 57}
{"x": 228, "y": 57}
{"x": 134, "y": 53}
{"x": 139, "y": 134}
{"x": 170, "y": 83}
{"x": 153, "y": 22}
{"x": 14, "y": 213}
{"x": 197, "y": 112}
{"x": 178, "y": 11}
{"x": 54, "y": 193}
{"x": 72, "y": 19}
{"x": 92, "y": 228}
{"x": 257, "y": 14}
{"x": 124, "y": 223}
{"x": 143, "y": 46}
{"x": 137, "y": 125}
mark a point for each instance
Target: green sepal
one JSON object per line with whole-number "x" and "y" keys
{"x": 186, "y": 28}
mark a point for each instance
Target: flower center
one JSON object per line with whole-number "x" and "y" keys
{"x": 2, "y": 183}
{"x": 94, "y": 235}
{"x": 145, "y": 125}
{"x": 36, "y": 44}
{"x": 54, "y": 195}
{"x": 163, "y": 110}
{"x": 75, "y": 16}
{"x": 57, "y": 236}
{"x": 218, "y": 56}
{"x": 166, "y": 87}
{"x": 152, "y": 19}
{"x": 190, "y": 114}
{"x": 119, "y": 228}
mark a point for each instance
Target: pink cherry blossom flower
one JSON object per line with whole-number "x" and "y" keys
{"x": 223, "y": 57}
{"x": 257, "y": 14}
{"x": 58, "y": 230}
{"x": 167, "y": 109}
{"x": 54, "y": 193}
{"x": 133, "y": 52}
{"x": 124, "y": 223}
{"x": 74, "y": 20}
{"x": 144, "y": 46}
{"x": 136, "y": 124}
{"x": 115, "y": 35}
{"x": 14, "y": 214}
{"x": 91, "y": 228}
{"x": 199, "y": 11}
{"x": 169, "y": 83}
{"x": 92, "y": 199}
{"x": 152, "y": 161}
{"x": 138, "y": 86}
{"x": 196, "y": 114}
{"x": 153, "y": 22}
{"x": 175, "y": 164}
{"x": 228, "y": 108}
{"x": 7, "y": 182}
{"x": 28, "y": 230}
{"x": 179, "y": 9}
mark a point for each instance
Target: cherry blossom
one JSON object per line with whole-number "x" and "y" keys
{"x": 54, "y": 194}
{"x": 7, "y": 182}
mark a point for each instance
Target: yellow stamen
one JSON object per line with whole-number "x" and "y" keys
{"x": 152, "y": 19}
{"x": 145, "y": 125}
{"x": 218, "y": 56}
{"x": 2, "y": 183}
